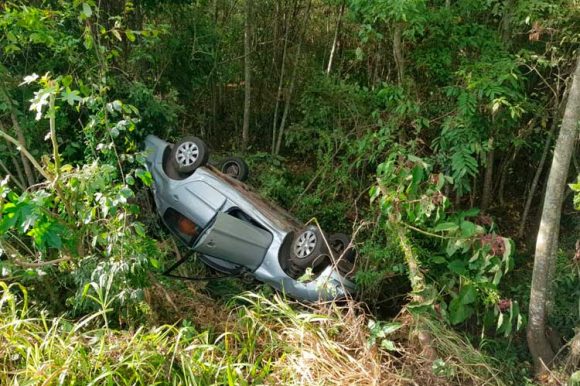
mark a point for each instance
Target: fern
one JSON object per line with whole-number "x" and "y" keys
{"x": 463, "y": 163}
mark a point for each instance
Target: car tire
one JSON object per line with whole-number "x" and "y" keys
{"x": 339, "y": 242}
{"x": 309, "y": 249}
{"x": 188, "y": 154}
{"x": 235, "y": 167}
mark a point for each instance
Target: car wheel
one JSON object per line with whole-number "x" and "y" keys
{"x": 235, "y": 167}
{"x": 339, "y": 242}
{"x": 188, "y": 154}
{"x": 309, "y": 249}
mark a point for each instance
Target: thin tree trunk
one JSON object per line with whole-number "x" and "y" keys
{"x": 503, "y": 176}
{"x": 335, "y": 40}
{"x": 398, "y": 53}
{"x": 501, "y": 189}
{"x": 536, "y": 179}
{"x": 24, "y": 151}
{"x": 292, "y": 83}
{"x": 20, "y": 135}
{"x": 17, "y": 168}
{"x": 506, "y": 21}
{"x": 547, "y": 241}
{"x": 280, "y": 85}
{"x": 30, "y": 178}
{"x": 488, "y": 179}
{"x": 558, "y": 103}
{"x": 16, "y": 180}
{"x": 247, "y": 75}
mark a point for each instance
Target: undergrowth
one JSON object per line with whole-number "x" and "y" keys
{"x": 264, "y": 341}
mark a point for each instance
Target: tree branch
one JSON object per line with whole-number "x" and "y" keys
{"x": 40, "y": 263}
{"x": 26, "y": 153}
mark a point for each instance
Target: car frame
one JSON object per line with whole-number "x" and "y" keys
{"x": 236, "y": 231}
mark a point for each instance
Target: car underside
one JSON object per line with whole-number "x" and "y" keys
{"x": 233, "y": 229}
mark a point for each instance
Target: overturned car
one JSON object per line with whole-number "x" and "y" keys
{"x": 235, "y": 231}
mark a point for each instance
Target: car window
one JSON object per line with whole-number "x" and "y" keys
{"x": 186, "y": 229}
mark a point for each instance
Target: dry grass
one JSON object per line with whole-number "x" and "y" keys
{"x": 171, "y": 306}
{"x": 328, "y": 344}
{"x": 264, "y": 341}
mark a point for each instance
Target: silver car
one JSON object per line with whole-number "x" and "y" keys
{"x": 234, "y": 230}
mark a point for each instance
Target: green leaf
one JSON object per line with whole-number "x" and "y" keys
{"x": 130, "y": 35}
{"x": 139, "y": 229}
{"x": 446, "y": 227}
{"x": 468, "y": 294}
{"x": 469, "y": 213}
{"x": 497, "y": 277}
{"x": 457, "y": 266}
{"x": 126, "y": 192}
{"x": 389, "y": 328}
{"x": 467, "y": 228}
{"x": 144, "y": 176}
{"x": 71, "y": 97}
{"x": 86, "y": 289}
{"x": 452, "y": 246}
{"x": 388, "y": 345}
{"x": 459, "y": 312}
{"x": 439, "y": 259}
{"x": 87, "y": 11}
{"x": 418, "y": 175}
{"x": 67, "y": 80}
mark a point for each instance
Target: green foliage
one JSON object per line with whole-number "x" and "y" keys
{"x": 576, "y": 189}
{"x": 479, "y": 77}
{"x": 566, "y": 310}
{"x": 466, "y": 261}
{"x": 379, "y": 332}
{"x": 81, "y": 217}
{"x": 164, "y": 354}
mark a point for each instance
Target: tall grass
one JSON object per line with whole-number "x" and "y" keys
{"x": 39, "y": 350}
{"x": 266, "y": 341}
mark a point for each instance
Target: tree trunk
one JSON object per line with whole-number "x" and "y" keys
{"x": 17, "y": 168}
{"x": 247, "y": 75}
{"x": 14, "y": 179}
{"x": 335, "y": 40}
{"x": 488, "y": 179}
{"x": 21, "y": 138}
{"x": 398, "y": 53}
{"x": 535, "y": 180}
{"x": 30, "y": 178}
{"x": 506, "y": 22}
{"x": 292, "y": 83}
{"x": 503, "y": 175}
{"x": 547, "y": 240}
{"x": 280, "y": 85}
{"x": 553, "y": 126}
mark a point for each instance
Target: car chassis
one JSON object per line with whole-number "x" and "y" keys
{"x": 237, "y": 232}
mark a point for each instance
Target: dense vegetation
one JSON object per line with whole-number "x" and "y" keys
{"x": 425, "y": 129}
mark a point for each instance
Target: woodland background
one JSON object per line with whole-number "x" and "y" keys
{"x": 426, "y": 129}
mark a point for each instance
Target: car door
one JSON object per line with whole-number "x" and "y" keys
{"x": 235, "y": 240}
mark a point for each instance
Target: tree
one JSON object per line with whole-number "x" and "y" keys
{"x": 247, "y": 75}
{"x": 547, "y": 240}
